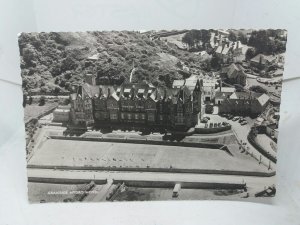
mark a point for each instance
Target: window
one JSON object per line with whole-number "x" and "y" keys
{"x": 122, "y": 116}
{"x": 143, "y": 116}
{"x": 113, "y": 116}
{"x": 129, "y": 116}
{"x": 150, "y": 117}
{"x": 136, "y": 116}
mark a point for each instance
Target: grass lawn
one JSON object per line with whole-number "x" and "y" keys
{"x": 34, "y": 110}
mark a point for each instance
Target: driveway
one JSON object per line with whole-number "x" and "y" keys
{"x": 241, "y": 133}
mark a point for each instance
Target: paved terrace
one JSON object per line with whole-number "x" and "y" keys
{"x": 89, "y": 154}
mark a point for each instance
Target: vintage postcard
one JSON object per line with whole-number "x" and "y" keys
{"x": 152, "y": 115}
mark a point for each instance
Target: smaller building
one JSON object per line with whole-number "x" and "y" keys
{"x": 244, "y": 103}
{"x": 262, "y": 61}
{"x": 61, "y": 114}
{"x": 234, "y": 74}
{"x": 223, "y": 93}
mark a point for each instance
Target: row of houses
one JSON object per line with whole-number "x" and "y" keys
{"x": 137, "y": 104}
{"x": 228, "y": 99}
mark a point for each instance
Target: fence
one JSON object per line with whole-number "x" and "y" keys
{"x": 212, "y": 130}
{"x": 252, "y": 141}
{"x": 145, "y": 141}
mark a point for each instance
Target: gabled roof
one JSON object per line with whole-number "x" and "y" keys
{"x": 115, "y": 96}
{"x": 219, "y": 49}
{"x": 235, "y": 70}
{"x": 178, "y": 83}
{"x": 226, "y": 89}
{"x": 221, "y": 95}
{"x": 263, "y": 99}
{"x": 263, "y": 59}
{"x": 90, "y": 89}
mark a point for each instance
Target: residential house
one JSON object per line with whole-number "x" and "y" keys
{"x": 244, "y": 103}
{"x": 262, "y": 61}
{"x": 223, "y": 93}
{"x": 234, "y": 74}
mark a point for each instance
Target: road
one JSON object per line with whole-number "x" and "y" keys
{"x": 241, "y": 133}
{"x": 252, "y": 181}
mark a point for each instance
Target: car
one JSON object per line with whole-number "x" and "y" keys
{"x": 235, "y": 118}
{"x": 230, "y": 117}
{"x": 225, "y": 124}
{"x": 223, "y": 115}
{"x": 206, "y": 117}
{"x": 243, "y": 123}
{"x": 241, "y": 119}
{"x": 204, "y": 120}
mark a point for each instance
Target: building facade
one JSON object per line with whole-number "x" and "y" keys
{"x": 234, "y": 74}
{"x": 244, "y": 103}
{"x": 137, "y": 104}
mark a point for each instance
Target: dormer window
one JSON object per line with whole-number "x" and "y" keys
{"x": 141, "y": 93}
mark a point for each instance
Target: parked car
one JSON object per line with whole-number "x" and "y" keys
{"x": 241, "y": 119}
{"x": 244, "y": 123}
{"x": 230, "y": 116}
{"x": 225, "y": 124}
{"x": 204, "y": 120}
{"x": 206, "y": 117}
{"x": 235, "y": 118}
{"x": 223, "y": 115}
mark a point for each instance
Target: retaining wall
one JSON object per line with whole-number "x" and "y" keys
{"x": 163, "y": 170}
{"x": 64, "y": 180}
{"x": 260, "y": 149}
{"x": 142, "y": 141}
{"x": 212, "y": 130}
{"x": 171, "y": 184}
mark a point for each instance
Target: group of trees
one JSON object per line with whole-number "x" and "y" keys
{"x": 267, "y": 42}
{"x": 54, "y": 62}
{"x": 196, "y": 38}
{"x": 237, "y": 36}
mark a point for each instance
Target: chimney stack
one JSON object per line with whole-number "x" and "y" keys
{"x": 165, "y": 93}
{"x": 220, "y": 84}
{"x": 100, "y": 92}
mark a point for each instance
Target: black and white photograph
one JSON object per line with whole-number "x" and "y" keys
{"x": 152, "y": 115}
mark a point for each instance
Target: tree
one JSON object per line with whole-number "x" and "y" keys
{"x": 215, "y": 62}
{"x": 232, "y": 36}
{"x": 24, "y": 99}
{"x": 242, "y": 38}
{"x": 30, "y": 100}
{"x": 193, "y": 37}
{"x": 250, "y": 53}
{"x": 29, "y": 54}
{"x": 42, "y": 101}
{"x": 258, "y": 89}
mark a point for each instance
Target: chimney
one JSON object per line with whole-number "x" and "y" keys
{"x": 100, "y": 92}
{"x": 132, "y": 93}
{"x": 220, "y": 84}
{"x": 108, "y": 92}
{"x": 165, "y": 93}
{"x": 260, "y": 59}
{"x": 237, "y": 44}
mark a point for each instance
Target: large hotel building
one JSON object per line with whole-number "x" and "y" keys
{"x": 137, "y": 104}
